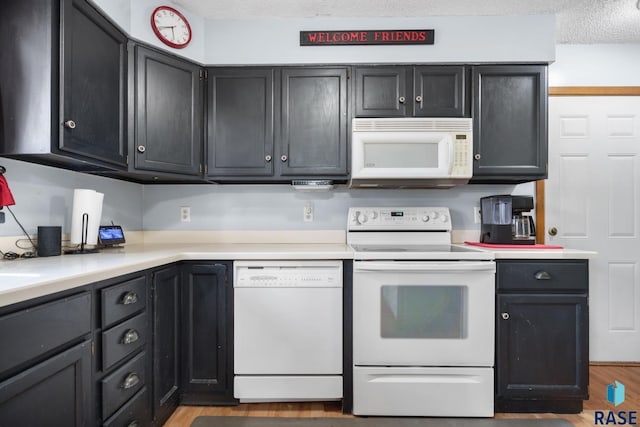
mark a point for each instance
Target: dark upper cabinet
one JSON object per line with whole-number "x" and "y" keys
{"x": 313, "y": 123}
{"x": 207, "y": 343}
{"x": 62, "y": 103}
{"x": 165, "y": 291}
{"x": 168, "y": 105}
{"x": 240, "y": 122}
{"x": 542, "y": 335}
{"x": 412, "y": 91}
{"x": 510, "y": 123}
{"x": 277, "y": 124}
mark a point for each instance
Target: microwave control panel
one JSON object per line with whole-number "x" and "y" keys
{"x": 399, "y": 218}
{"x": 462, "y": 162}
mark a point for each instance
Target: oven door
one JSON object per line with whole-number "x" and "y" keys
{"x": 425, "y": 313}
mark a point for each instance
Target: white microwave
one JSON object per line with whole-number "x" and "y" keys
{"x": 411, "y": 152}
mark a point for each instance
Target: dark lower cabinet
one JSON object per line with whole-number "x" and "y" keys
{"x": 165, "y": 291}
{"x": 542, "y": 351}
{"x": 55, "y": 392}
{"x": 207, "y": 369}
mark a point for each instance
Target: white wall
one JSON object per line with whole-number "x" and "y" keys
{"x": 276, "y": 41}
{"x": 596, "y": 65}
{"x": 44, "y": 196}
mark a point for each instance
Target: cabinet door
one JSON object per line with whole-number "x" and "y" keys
{"x": 168, "y": 105}
{"x": 93, "y": 76}
{"x": 510, "y": 123}
{"x": 166, "y": 341}
{"x": 207, "y": 303}
{"x": 313, "y": 134}
{"x": 56, "y": 392}
{"x": 240, "y": 122}
{"x": 542, "y": 346}
{"x": 440, "y": 91}
{"x": 383, "y": 92}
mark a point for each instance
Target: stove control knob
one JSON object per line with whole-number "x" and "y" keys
{"x": 444, "y": 218}
{"x": 362, "y": 218}
{"x": 434, "y": 215}
{"x": 373, "y": 215}
{"x": 425, "y": 218}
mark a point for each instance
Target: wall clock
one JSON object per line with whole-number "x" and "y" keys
{"x": 171, "y": 27}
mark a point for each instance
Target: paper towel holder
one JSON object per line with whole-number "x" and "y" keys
{"x": 83, "y": 240}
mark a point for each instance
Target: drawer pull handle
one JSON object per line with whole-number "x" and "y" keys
{"x": 542, "y": 275}
{"x": 130, "y": 298}
{"x": 130, "y": 381}
{"x": 505, "y": 316}
{"x": 130, "y": 337}
{"x": 134, "y": 423}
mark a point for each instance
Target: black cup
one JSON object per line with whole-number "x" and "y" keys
{"x": 49, "y": 240}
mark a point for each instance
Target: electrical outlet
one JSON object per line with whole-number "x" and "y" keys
{"x": 477, "y": 217}
{"x": 1, "y": 217}
{"x": 308, "y": 212}
{"x": 185, "y": 214}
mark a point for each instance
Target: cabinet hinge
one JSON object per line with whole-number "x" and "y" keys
{"x": 206, "y": 170}
{"x": 126, "y": 160}
{"x": 348, "y": 73}
{"x": 93, "y": 348}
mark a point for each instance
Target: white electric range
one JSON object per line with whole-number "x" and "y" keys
{"x": 423, "y": 310}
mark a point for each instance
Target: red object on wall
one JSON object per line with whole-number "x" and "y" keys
{"x": 6, "y": 198}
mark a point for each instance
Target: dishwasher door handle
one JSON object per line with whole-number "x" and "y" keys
{"x": 407, "y": 266}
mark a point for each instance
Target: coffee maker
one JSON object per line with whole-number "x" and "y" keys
{"x": 504, "y": 222}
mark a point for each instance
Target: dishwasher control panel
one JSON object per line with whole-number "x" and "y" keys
{"x": 287, "y": 274}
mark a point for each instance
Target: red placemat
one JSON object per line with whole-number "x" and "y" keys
{"x": 495, "y": 246}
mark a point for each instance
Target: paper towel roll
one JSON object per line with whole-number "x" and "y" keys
{"x": 86, "y": 202}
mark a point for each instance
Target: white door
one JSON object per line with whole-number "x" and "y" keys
{"x": 592, "y": 199}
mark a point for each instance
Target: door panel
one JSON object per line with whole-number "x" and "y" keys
{"x": 592, "y": 200}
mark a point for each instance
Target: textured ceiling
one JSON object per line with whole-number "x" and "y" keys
{"x": 578, "y": 21}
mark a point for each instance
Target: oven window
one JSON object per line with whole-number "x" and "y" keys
{"x": 424, "y": 312}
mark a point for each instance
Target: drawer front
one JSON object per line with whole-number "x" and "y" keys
{"x": 34, "y": 331}
{"x": 123, "y": 300}
{"x": 123, "y": 339}
{"x": 136, "y": 412}
{"x": 122, "y": 384}
{"x": 543, "y": 275}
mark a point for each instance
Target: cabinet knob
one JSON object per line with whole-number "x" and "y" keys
{"x": 70, "y": 124}
{"x": 283, "y": 157}
{"x": 505, "y": 316}
{"x": 553, "y": 231}
{"x": 419, "y": 98}
{"x": 268, "y": 157}
{"x": 130, "y": 381}
{"x": 477, "y": 156}
{"x": 402, "y": 99}
{"x": 130, "y": 337}
{"x": 129, "y": 298}
{"x": 141, "y": 148}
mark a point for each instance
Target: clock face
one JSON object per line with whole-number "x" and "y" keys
{"x": 171, "y": 27}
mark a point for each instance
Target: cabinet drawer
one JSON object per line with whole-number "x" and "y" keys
{"x": 547, "y": 275}
{"x": 134, "y": 413}
{"x": 35, "y": 331}
{"x": 122, "y": 300}
{"x": 122, "y": 384}
{"x": 123, "y": 339}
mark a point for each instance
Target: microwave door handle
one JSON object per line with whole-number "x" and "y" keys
{"x": 401, "y": 266}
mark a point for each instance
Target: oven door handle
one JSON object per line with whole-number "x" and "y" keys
{"x": 408, "y": 266}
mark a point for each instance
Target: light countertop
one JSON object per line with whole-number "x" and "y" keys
{"x": 24, "y": 279}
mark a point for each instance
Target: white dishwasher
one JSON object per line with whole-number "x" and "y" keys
{"x": 287, "y": 330}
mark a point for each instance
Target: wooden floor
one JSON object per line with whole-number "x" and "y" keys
{"x": 599, "y": 377}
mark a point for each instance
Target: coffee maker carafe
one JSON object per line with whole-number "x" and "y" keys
{"x": 504, "y": 222}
